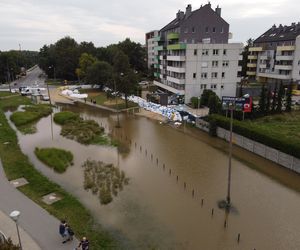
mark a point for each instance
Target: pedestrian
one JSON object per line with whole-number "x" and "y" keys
{"x": 84, "y": 100}
{"x": 68, "y": 234}
{"x": 62, "y": 228}
{"x": 84, "y": 244}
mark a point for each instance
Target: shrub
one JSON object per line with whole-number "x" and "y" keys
{"x": 65, "y": 116}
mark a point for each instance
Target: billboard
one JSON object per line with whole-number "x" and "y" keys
{"x": 243, "y": 104}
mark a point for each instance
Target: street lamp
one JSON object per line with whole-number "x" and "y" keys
{"x": 52, "y": 67}
{"x": 14, "y": 215}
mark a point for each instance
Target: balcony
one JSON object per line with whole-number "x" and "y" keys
{"x": 239, "y": 68}
{"x": 176, "y": 58}
{"x": 262, "y": 66}
{"x": 158, "y": 48}
{"x": 161, "y": 67}
{"x": 161, "y": 58}
{"x": 176, "y": 80}
{"x": 263, "y": 57}
{"x": 285, "y": 58}
{"x": 169, "y": 88}
{"x": 156, "y": 66}
{"x": 286, "y": 48}
{"x": 251, "y": 65}
{"x": 276, "y": 76}
{"x": 177, "y": 46}
{"x": 173, "y": 36}
{"x": 256, "y": 49}
{"x": 157, "y": 39}
{"x": 176, "y": 69}
{"x": 156, "y": 74}
{"x": 284, "y": 67}
{"x": 251, "y": 73}
{"x": 252, "y": 57}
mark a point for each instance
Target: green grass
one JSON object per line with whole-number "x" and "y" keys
{"x": 280, "y": 131}
{"x": 63, "y": 117}
{"x": 101, "y": 99}
{"x": 56, "y": 158}
{"x": 25, "y": 120}
{"x": 17, "y": 165}
{"x": 7, "y": 94}
{"x": 13, "y": 103}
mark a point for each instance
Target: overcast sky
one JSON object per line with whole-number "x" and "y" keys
{"x": 33, "y": 23}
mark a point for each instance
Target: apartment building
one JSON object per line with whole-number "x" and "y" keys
{"x": 275, "y": 56}
{"x": 151, "y": 43}
{"x": 193, "y": 54}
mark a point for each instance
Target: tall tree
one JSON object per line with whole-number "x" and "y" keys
{"x": 214, "y": 104}
{"x": 85, "y": 61}
{"x": 279, "y": 98}
{"x": 124, "y": 76}
{"x": 99, "y": 73}
{"x": 262, "y": 100}
{"x": 268, "y": 102}
{"x": 288, "y": 102}
{"x": 274, "y": 99}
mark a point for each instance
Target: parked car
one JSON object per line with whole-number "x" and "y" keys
{"x": 45, "y": 98}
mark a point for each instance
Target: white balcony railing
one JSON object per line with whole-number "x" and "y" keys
{"x": 176, "y": 69}
{"x": 176, "y": 58}
{"x": 176, "y": 80}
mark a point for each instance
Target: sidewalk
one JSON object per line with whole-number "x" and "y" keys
{"x": 39, "y": 229}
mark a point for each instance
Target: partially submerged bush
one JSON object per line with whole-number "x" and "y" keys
{"x": 105, "y": 180}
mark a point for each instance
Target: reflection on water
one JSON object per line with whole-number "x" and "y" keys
{"x": 104, "y": 180}
{"x": 155, "y": 211}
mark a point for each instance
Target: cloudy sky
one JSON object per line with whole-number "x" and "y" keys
{"x": 33, "y": 23}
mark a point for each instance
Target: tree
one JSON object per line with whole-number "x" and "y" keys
{"x": 279, "y": 98}
{"x": 99, "y": 72}
{"x": 195, "y": 102}
{"x": 214, "y": 104}
{"x": 87, "y": 47}
{"x": 205, "y": 97}
{"x": 268, "y": 102}
{"x": 274, "y": 99}
{"x": 85, "y": 61}
{"x": 124, "y": 77}
{"x": 245, "y": 54}
{"x": 66, "y": 58}
{"x": 262, "y": 100}
{"x": 288, "y": 103}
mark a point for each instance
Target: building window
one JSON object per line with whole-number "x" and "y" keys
{"x": 299, "y": 62}
{"x": 194, "y": 75}
{"x": 222, "y": 30}
{"x": 223, "y": 74}
{"x": 193, "y": 40}
{"x": 204, "y": 75}
{"x": 186, "y": 30}
{"x": 215, "y": 63}
{"x": 225, "y": 63}
{"x": 214, "y": 29}
{"x": 206, "y": 30}
{"x": 225, "y": 52}
{"x": 213, "y": 86}
{"x": 195, "y": 52}
{"x": 215, "y": 52}
{"x": 214, "y": 75}
{"x": 193, "y": 29}
{"x": 203, "y": 86}
{"x": 205, "y": 52}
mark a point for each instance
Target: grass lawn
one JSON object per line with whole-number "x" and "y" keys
{"x": 56, "y": 158}
{"x": 17, "y": 165}
{"x": 25, "y": 120}
{"x": 7, "y": 93}
{"x": 101, "y": 99}
{"x": 286, "y": 125}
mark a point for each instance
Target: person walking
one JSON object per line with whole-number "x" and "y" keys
{"x": 84, "y": 244}
{"x": 62, "y": 228}
{"x": 68, "y": 233}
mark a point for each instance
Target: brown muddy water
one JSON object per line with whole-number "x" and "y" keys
{"x": 155, "y": 211}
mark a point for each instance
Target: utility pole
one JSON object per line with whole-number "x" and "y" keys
{"x": 231, "y": 107}
{"x": 118, "y": 119}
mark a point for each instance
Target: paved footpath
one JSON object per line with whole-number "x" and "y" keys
{"x": 39, "y": 229}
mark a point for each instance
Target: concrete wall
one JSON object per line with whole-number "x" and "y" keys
{"x": 262, "y": 150}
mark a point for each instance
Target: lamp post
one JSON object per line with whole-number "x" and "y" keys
{"x": 14, "y": 215}
{"x": 52, "y": 67}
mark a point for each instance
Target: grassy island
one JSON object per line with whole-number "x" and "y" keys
{"x": 84, "y": 131}
{"x": 56, "y": 158}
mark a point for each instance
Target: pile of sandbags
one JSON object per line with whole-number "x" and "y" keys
{"x": 74, "y": 93}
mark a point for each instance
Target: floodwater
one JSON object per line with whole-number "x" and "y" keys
{"x": 157, "y": 211}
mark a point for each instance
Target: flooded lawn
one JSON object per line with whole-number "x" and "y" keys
{"x": 175, "y": 180}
